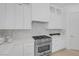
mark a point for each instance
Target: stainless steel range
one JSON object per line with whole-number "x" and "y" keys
{"x": 42, "y": 45}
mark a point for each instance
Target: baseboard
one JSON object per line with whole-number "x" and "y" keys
{"x": 58, "y": 50}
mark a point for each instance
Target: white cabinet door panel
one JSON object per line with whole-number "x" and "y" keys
{"x": 40, "y": 11}
{"x": 23, "y": 16}
{"x": 10, "y": 16}
{"x": 2, "y": 15}
{"x": 15, "y": 16}
{"x": 27, "y": 16}
{"x": 56, "y": 18}
{"x": 16, "y": 50}
{"x": 19, "y": 16}
{"x": 57, "y": 43}
{"x": 28, "y": 50}
{"x": 4, "y": 49}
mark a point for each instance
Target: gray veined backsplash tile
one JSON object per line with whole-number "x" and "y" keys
{"x": 16, "y": 35}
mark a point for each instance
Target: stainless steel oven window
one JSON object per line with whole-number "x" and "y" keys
{"x": 43, "y": 48}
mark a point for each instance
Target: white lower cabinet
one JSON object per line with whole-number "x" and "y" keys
{"x": 16, "y": 50}
{"x": 28, "y": 50}
{"x": 11, "y": 50}
{"x": 57, "y": 43}
{"x": 4, "y": 49}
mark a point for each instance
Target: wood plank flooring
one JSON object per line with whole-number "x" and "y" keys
{"x": 66, "y": 53}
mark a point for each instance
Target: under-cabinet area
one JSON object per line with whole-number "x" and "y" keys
{"x": 39, "y": 29}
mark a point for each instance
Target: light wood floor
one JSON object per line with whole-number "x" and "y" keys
{"x": 66, "y": 53}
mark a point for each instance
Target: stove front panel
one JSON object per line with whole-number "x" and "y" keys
{"x": 42, "y": 47}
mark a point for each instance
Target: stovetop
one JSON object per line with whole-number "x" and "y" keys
{"x": 41, "y": 37}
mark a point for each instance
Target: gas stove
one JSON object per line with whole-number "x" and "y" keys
{"x": 42, "y": 45}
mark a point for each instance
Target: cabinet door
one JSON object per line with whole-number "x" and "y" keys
{"x": 2, "y": 15}
{"x": 4, "y": 49}
{"x": 19, "y": 16}
{"x": 29, "y": 49}
{"x": 52, "y": 18}
{"x": 57, "y": 43}
{"x": 23, "y": 16}
{"x": 40, "y": 11}
{"x": 27, "y": 16}
{"x": 10, "y": 16}
{"x": 56, "y": 21}
{"x": 11, "y": 49}
{"x": 15, "y": 16}
{"x": 59, "y": 18}
{"x": 16, "y": 50}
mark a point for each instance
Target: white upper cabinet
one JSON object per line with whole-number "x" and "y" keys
{"x": 28, "y": 15}
{"x": 40, "y": 12}
{"x": 10, "y": 20}
{"x": 23, "y": 16}
{"x": 19, "y": 16}
{"x": 15, "y": 50}
{"x": 2, "y": 15}
{"x": 15, "y": 16}
{"x": 56, "y": 18}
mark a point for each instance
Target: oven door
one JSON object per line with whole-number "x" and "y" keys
{"x": 43, "y": 48}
